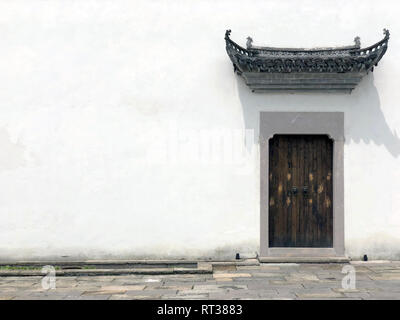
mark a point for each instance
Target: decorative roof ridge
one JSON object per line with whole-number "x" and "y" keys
{"x": 356, "y": 45}
{"x": 352, "y": 48}
{"x": 344, "y": 48}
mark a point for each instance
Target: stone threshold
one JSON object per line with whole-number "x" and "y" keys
{"x": 322, "y": 259}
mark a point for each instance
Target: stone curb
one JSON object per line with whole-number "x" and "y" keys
{"x": 96, "y": 262}
{"x": 127, "y": 262}
{"x": 107, "y": 272}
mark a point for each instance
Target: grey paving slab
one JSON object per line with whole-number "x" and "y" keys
{"x": 322, "y": 284}
{"x": 270, "y": 293}
{"x": 268, "y": 275}
{"x": 301, "y": 277}
{"x": 384, "y": 296}
{"x": 382, "y": 284}
{"x": 187, "y": 297}
{"x": 285, "y": 296}
{"x": 146, "y": 282}
{"x": 178, "y": 283}
{"x": 40, "y": 298}
{"x": 199, "y": 291}
{"x": 282, "y": 291}
{"x": 284, "y": 284}
{"x": 150, "y": 293}
{"x": 87, "y": 297}
{"x": 121, "y": 297}
{"x": 19, "y": 284}
{"x": 259, "y": 285}
{"x": 226, "y": 286}
{"x": 232, "y": 295}
{"x": 360, "y": 295}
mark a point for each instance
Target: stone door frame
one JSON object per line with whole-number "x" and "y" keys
{"x": 329, "y": 123}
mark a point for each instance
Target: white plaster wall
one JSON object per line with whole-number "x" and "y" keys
{"x": 102, "y": 104}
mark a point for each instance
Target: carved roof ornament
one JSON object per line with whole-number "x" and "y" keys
{"x": 299, "y": 69}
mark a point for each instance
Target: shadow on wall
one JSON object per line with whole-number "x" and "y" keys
{"x": 364, "y": 120}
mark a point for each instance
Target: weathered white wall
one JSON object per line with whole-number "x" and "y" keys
{"x": 102, "y": 104}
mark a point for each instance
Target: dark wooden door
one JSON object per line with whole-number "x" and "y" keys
{"x": 300, "y": 191}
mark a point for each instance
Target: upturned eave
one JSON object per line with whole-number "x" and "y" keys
{"x": 329, "y": 69}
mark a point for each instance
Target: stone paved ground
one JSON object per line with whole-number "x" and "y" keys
{"x": 267, "y": 281}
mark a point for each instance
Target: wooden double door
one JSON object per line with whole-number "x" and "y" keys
{"x": 300, "y": 191}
